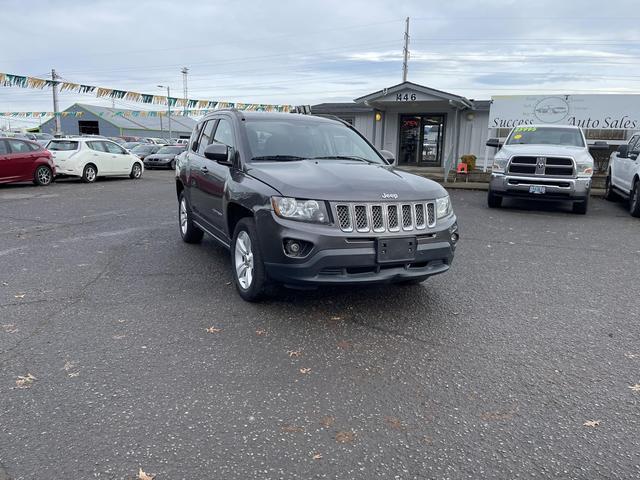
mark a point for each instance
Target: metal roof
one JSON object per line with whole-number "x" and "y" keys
{"x": 414, "y": 86}
{"x": 179, "y": 123}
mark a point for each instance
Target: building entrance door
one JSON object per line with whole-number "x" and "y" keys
{"x": 421, "y": 140}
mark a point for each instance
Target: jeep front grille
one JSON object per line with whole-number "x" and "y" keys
{"x": 384, "y": 217}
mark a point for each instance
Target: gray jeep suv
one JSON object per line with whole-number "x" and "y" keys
{"x": 305, "y": 201}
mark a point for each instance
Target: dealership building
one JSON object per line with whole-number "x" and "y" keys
{"x": 431, "y": 129}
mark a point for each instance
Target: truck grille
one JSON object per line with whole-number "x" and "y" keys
{"x": 384, "y": 217}
{"x": 554, "y": 166}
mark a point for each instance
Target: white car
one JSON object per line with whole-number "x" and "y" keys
{"x": 623, "y": 175}
{"x": 90, "y": 158}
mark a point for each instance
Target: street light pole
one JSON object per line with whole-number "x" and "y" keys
{"x": 168, "y": 108}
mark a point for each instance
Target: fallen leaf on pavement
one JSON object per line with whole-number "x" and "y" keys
{"x": 291, "y": 429}
{"x": 213, "y": 330}
{"x": 261, "y": 332}
{"x": 145, "y": 476}
{"x": 345, "y": 437}
{"x": 336, "y": 318}
{"x": 327, "y": 421}
{"x": 344, "y": 344}
{"x": 635, "y": 388}
{"x": 591, "y": 423}
{"x": 394, "y": 423}
{"x": 10, "y": 328}
{"x": 25, "y": 381}
{"x": 317, "y": 456}
{"x": 118, "y": 337}
{"x": 73, "y": 374}
{"x": 20, "y": 295}
{"x": 295, "y": 353}
{"x": 631, "y": 355}
{"x": 68, "y": 365}
{"x": 305, "y": 370}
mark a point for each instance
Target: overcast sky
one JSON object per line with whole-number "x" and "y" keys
{"x": 305, "y": 52}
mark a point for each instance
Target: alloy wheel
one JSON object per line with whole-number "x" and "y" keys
{"x": 90, "y": 174}
{"x": 183, "y": 216}
{"x": 136, "y": 170}
{"x": 244, "y": 260}
{"x": 44, "y": 176}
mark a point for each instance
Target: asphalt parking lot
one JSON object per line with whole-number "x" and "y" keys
{"x": 109, "y": 362}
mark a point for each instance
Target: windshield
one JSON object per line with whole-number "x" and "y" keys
{"x": 143, "y": 149}
{"x": 62, "y": 145}
{"x": 170, "y": 150}
{"x": 570, "y": 137}
{"x": 293, "y": 139}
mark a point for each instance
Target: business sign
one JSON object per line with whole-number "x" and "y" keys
{"x": 586, "y": 111}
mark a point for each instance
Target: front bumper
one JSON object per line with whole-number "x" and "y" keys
{"x": 157, "y": 162}
{"x": 556, "y": 188}
{"x": 337, "y": 257}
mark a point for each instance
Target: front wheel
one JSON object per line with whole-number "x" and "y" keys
{"x": 581, "y": 207}
{"x": 493, "y": 200}
{"x": 172, "y": 165}
{"x": 136, "y": 171}
{"x": 634, "y": 200}
{"x": 188, "y": 230}
{"x": 43, "y": 176}
{"x": 609, "y": 194}
{"x": 248, "y": 268}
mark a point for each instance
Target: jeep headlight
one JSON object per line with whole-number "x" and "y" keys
{"x": 499, "y": 165}
{"x": 584, "y": 168}
{"x": 443, "y": 207}
{"x": 314, "y": 211}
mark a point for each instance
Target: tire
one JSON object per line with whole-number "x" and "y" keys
{"x": 581, "y": 207}
{"x": 249, "y": 274}
{"x": 172, "y": 165}
{"x": 188, "y": 230}
{"x": 493, "y": 200}
{"x": 43, "y": 176}
{"x": 90, "y": 173}
{"x": 136, "y": 171}
{"x": 634, "y": 200}
{"x": 609, "y": 193}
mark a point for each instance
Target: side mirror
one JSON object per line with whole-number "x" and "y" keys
{"x": 623, "y": 151}
{"x": 494, "y": 142}
{"x": 388, "y": 156}
{"x": 218, "y": 152}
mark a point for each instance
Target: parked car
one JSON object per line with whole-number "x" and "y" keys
{"x": 131, "y": 145}
{"x": 307, "y": 201}
{"x": 42, "y": 138}
{"x": 542, "y": 162}
{"x": 165, "y": 157}
{"x": 179, "y": 141}
{"x": 144, "y": 149}
{"x": 118, "y": 140}
{"x": 25, "y": 161}
{"x": 90, "y": 158}
{"x": 623, "y": 175}
{"x": 157, "y": 141}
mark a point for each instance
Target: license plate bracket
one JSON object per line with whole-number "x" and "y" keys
{"x": 396, "y": 249}
{"x": 538, "y": 189}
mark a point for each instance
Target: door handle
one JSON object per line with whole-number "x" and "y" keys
{"x": 204, "y": 169}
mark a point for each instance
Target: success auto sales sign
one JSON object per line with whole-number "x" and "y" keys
{"x": 586, "y": 111}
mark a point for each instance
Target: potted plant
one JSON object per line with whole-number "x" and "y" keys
{"x": 470, "y": 160}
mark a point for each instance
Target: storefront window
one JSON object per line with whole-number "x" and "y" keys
{"x": 421, "y": 140}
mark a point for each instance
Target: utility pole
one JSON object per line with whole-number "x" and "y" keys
{"x": 56, "y": 110}
{"x": 168, "y": 108}
{"x": 405, "y": 52}
{"x": 184, "y": 72}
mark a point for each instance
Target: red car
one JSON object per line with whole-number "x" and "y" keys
{"x": 25, "y": 161}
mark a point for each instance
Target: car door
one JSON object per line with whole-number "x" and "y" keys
{"x": 199, "y": 179}
{"x": 99, "y": 156}
{"x": 216, "y": 174}
{"x": 7, "y": 164}
{"x": 21, "y": 159}
{"x": 120, "y": 159}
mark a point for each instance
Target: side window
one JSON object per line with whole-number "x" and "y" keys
{"x": 113, "y": 148}
{"x": 34, "y": 147}
{"x": 205, "y": 138}
{"x": 3, "y": 148}
{"x": 224, "y": 133}
{"x": 193, "y": 140}
{"x": 97, "y": 146}
{"x": 17, "y": 146}
{"x": 634, "y": 144}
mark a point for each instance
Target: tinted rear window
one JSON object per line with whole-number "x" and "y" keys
{"x": 62, "y": 145}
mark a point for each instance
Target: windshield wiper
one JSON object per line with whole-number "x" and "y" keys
{"x": 279, "y": 158}
{"x": 343, "y": 157}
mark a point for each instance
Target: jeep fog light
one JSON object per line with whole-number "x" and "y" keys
{"x": 296, "y": 248}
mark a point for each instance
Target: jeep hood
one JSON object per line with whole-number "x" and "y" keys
{"x": 340, "y": 180}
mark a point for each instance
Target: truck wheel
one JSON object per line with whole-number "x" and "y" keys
{"x": 493, "y": 200}
{"x": 581, "y": 207}
{"x": 248, "y": 268}
{"x": 189, "y": 232}
{"x": 634, "y": 200}
{"x": 609, "y": 193}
